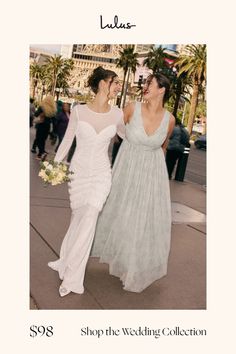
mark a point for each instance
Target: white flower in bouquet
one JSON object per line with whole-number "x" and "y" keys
{"x": 54, "y": 173}
{"x": 49, "y": 167}
{"x": 43, "y": 175}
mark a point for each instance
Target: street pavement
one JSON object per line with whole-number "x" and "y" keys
{"x": 196, "y": 166}
{"x": 184, "y": 287}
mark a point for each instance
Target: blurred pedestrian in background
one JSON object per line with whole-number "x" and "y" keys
{"x": 53, "y": 133}
{"x": 45, "y": 112}
{"x": 32, "y": 111}
{"x": 177, "y": 142}
{"x": 61, "y": 123}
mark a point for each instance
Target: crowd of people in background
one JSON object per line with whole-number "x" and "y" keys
{"x": 50, "y": 119}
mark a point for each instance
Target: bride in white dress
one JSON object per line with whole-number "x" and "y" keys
{"x": 94, "y": 125}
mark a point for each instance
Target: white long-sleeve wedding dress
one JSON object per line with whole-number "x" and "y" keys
{"x": 88, "y": 189}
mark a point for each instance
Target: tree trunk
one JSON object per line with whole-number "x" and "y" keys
{"x": 34, "y": 88}
{"x": 43, "y": 91}
{"x": 53, "y": 89}
{"x": 141, "y": 95}
{"x": 126, "y": 87}
{"x": 193, "y": 107}
{"x": 54, "y": 84}
{"x": 123, "y": 85}
{"x": 177, "y": 99}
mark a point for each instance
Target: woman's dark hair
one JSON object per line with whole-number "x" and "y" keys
{"x": 97, "y": 75}
{"x": 163, "y": 81}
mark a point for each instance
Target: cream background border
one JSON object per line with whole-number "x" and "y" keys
{"x": 180, "y": 21}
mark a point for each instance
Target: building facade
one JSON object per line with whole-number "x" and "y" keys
{"x": 87, "y": 57}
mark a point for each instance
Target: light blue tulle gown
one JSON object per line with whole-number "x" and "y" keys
{"x": 134, "y": 228}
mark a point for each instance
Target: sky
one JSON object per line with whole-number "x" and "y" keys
{"x": 53, "y": 48}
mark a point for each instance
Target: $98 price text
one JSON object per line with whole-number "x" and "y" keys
{"x": 40, "y": 331}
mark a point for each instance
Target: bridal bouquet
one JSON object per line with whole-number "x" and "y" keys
{"x": 54, "y": 172}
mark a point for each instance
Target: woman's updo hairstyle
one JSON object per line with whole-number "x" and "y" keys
{"x": 97, "y": 75}
{"x": 163, "y": 81}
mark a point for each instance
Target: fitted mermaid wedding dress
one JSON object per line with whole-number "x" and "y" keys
{"x": 88, "y": 189}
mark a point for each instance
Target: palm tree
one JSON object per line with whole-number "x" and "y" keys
{"x": 155, "y": 59}
{"x": 180, "y": 87}
{"x": 35, "y": 74}
{"x": 63, "y": 76}
{"x": 62, "y": 84}
{"x": 43, "y": 79}
{"x": 194, "y": 65}
{"x": 128, "y": 62}
{"x": 55, "y": 66}
{"x": 58, "y": 72}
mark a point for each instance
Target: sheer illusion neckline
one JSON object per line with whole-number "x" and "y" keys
{"x": 95, "y": 131}
{"x": 98, "y": 112}
{"x": 159, "y": 126}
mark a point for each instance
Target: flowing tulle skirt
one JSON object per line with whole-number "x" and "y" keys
{"x": 134, "y": 227}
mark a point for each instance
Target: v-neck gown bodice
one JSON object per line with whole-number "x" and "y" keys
{"x": 133, "y": 229}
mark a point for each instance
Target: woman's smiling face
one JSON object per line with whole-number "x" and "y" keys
{"x": 151, "y": 89}
{"x": 114, "y": 87}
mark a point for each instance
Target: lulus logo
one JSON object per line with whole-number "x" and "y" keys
{"x": 115, "y": 24}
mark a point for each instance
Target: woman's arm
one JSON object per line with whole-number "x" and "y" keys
{"x": 120, "y": 129}
{"x": 170, "y": 130}
{"x": 69, "y": 136}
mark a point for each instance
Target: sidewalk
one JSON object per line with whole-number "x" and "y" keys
{"x": 183, "y": 288}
